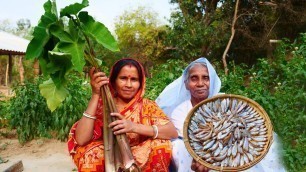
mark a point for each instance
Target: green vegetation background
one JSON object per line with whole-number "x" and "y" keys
{"x": 276, "y": 80}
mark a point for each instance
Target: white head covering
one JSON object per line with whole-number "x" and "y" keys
{"x": 176, "y": 92}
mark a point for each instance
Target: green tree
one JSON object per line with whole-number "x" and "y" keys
{"x": 140, "y": 34}
{"x": 23, "y": 29}
{"x": 6, "y": 25}
{"x": 203, "y": 27}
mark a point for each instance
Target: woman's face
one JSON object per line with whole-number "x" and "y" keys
{"x": 198, "y": 82}
{"x": 127, "y": 83}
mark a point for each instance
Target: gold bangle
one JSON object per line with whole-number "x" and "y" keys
{"x": 89, "y": 116}
{"x": 155, "y": 131}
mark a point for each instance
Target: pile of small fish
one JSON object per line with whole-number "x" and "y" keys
{"x": 227, "y": 132}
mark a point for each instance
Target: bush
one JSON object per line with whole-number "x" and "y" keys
{"x": 163, "y": 75}
{"x": 72, "y": 108}
{"x": 29, "y": 113}
{"x": 32, "y": 118}
{"x": 3, "y": 112}
{"x": 278, "y": 85}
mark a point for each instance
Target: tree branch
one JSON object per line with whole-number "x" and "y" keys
{"x": 231, "y": 39}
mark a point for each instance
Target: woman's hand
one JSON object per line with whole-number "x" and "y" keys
{"x": 121, "y": 125}
{"x": 197, "y": 167}
{"x": 97, "y": 80}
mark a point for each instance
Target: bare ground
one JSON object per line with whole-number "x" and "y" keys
{"x": 44, "y": 155}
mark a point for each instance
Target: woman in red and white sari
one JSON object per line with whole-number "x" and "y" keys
{"x": 147, "y": 128}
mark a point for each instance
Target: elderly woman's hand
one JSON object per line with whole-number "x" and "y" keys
{"x": 121, "y": 125}
{"x": 197, "y": 167}
{"x": 97, "y": 80}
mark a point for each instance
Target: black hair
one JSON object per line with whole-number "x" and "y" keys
{"x": 120, "y": 64}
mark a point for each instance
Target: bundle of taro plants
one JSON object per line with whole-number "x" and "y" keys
{"x": 62, "y": 48}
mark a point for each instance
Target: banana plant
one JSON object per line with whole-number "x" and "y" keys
{"x": 62, "y": 48}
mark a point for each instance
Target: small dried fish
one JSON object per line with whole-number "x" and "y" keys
{"x": 227, "y": 132}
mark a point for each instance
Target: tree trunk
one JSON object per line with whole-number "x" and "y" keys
{"x": 21, "y": 70}
{"x": 231, "y": 39}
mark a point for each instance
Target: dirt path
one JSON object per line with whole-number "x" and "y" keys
{"x": 44, "y": 155}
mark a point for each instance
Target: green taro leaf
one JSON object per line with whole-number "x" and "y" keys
{"x": 98, "y": 31}
{"x": 52, "y": 9}
{"x": 71, "y": 45}
{"x": 43, "y": 63}
{"x": 85, "y": 2}
{"x": 54, "y": 96}
{"x": 60, "y": 64}
{"x": 60, "y": 33}
{"x": 40, "y": 34}
{"x": 73, "y": 9}
{"x": 76, "y": 50}
{"x": 74, "y": 31}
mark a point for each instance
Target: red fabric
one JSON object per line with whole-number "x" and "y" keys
{"x": 149, "y": 154}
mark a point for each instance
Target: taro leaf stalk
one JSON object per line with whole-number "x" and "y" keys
{"x": 62, "y": 48}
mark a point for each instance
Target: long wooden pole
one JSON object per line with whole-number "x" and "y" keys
{"x": 10, "y": 69}
{"x": 6, "y": 73}
{"x": 21, "y": 70}
{"x": 110, "y": 152}
{"x": 122, "y": 141}
{"x": 108, "y": 137}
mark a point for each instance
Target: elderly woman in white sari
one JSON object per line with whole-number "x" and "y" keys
{"x": 199, "y": 82}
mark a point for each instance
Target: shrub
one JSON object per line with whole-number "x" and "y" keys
{"x": 29, "y": 113}
{"x": 3, "y": 112}
{"x": 72, "y": 108}
{"x": 163, "y": 75}
{"x": 278, "y": 85}
{"x": 31, "y": 117}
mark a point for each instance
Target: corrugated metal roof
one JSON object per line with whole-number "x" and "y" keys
{"x": 12, "y": 43}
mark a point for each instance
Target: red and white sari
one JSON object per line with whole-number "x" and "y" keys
{"x": 149, "y": 154}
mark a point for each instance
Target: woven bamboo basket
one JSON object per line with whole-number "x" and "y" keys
{"x": 251, "y": 103}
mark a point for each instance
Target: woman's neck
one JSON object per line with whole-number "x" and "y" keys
{"x": 121, "y": 104}
{"x": 195, "y": 101}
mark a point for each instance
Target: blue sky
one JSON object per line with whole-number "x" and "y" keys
{"x": 104, "y": 11}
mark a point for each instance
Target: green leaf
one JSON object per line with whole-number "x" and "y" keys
{"x": 98, "y": 31}
{"x": 60, "y": 33}
{"x": 43, "y": 63}
{"x": 60, "y": 64}
{"x": 73, "y": 46}
{"x": 76, "y": 50}
{"x": 70, "y": 45}
{"x": 51, "y": 9}
{"x": 73, "y": 30}
{"x": 73, "y": 9}
{"x": 40, "y": 34}
{"x": 85, "y": 2}
{"x": 54, "y": 96}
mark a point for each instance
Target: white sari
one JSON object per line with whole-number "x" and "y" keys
{"x": 175, "y": 102}
{"x": 176, "y": 93}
